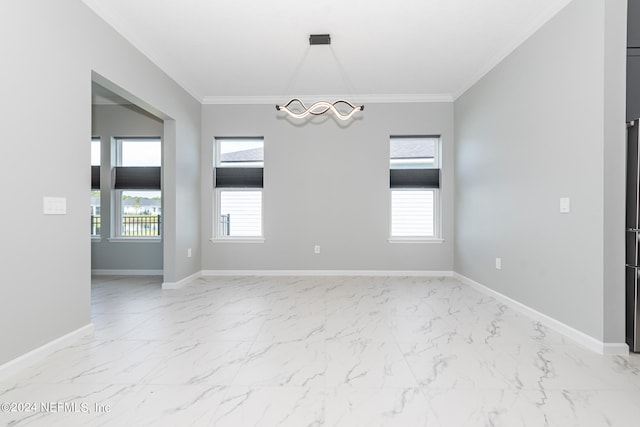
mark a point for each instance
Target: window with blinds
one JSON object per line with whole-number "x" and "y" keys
{"x": 414, "y": 181}
{"x": 238, "y": 183}
{"x": 138, "y": 187}
{"x": 95, "y": 187}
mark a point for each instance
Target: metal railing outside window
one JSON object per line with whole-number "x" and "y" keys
{"x": 140, "y": 225}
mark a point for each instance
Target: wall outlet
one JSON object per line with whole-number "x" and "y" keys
{"x": 189, "y": 253}
{"x": 498, "y": 263}
{"x": 316, "y": 249}
{"x": 565, "y": 205}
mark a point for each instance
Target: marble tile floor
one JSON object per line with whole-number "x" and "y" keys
{"x": 316, "y": 351}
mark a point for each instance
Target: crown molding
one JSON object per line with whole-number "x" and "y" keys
{"x": 309, "y": 99}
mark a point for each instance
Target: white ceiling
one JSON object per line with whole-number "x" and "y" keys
{"x": 258, "y": 51}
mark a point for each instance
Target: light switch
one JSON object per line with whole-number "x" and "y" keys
{"x": 565, "y": 205}
{"x": 55, "y": 205}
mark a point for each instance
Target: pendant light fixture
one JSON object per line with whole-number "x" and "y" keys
{"x": 342, "y": 109}
{"x": 320, "y": 108}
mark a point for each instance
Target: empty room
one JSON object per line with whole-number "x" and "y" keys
{"x": 295, "y": 213}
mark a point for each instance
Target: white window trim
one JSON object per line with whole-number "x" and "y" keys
{"x": 216, "y": 238}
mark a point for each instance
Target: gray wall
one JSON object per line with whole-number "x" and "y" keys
{"x": 46, "y": 115}
{"x": 535, "y": 129}
{"x": 327, "y": 183}
{"x": 108, "y": 122}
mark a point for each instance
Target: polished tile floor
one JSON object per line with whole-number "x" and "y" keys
{"x": 315, "y": 351}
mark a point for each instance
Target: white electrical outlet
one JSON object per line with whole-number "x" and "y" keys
{"x": 189, "y": 253}
{"x": 565, "y": 205}
{"x": 316, "y": 249}
{"x": 498, "y": 263}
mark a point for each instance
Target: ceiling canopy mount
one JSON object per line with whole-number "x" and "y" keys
{"x": 319, "y": 39}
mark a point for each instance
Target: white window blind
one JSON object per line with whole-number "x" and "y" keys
{"x": 412, "y": 213}
{"x": 240, "y": 213}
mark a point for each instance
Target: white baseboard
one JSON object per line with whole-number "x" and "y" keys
{"x": 575, "y": 335}
{"x": 16, "y": 365}
{"x": 615, "y": 349}
{"x": 395, "y": 273}
{"x": 121, "y": 272}
{"x": 179, "y": 284}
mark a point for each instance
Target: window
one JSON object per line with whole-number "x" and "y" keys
{"x": 414, "y": 163}
{"x": 95, "y": 187}
{"x": 238, "y": 182}
{"x": 139, "y": 152}
{"x": 138, "y": 195}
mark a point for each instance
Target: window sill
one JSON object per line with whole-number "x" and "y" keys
{"x": 96, "y": 239}
{"x": 135, "y": 240}
{"x": 415, "y": 240}
{"x": 237, "y": 240}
